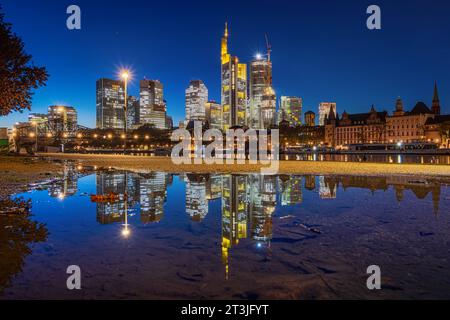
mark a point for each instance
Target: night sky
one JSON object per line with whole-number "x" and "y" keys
{"x": 322, "y": 50}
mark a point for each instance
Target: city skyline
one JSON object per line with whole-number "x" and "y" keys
{"x": 354, "y": 94}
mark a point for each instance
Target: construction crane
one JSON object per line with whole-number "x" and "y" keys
{"x": 268, "y": 46}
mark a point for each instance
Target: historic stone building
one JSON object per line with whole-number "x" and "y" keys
{"x": 355, "y": 128}
{"x": 421, "y": 124}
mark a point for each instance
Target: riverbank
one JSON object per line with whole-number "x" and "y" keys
{"x": 18, "y": 171}
{"x": 143, "y": 163}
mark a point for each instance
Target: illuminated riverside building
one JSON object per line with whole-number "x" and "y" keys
{"x": 233, "y": 87}
{"x": 152, "y": 104}
{"x": 291, "y": 110}
{"x": 62, "y": 120}
{"x": 196, "y": 99}
{"x": 355, "y": 128}
{"x": 268, "y": 108}
{"x": 410, "y": 126}
{"x": 214, "y": 115}
{"x": 324, "y": 110}
{"x": 110, "y": 100}
{"x": 40, "y": 121}
{"x": 132, "y": 112}
{"x": 262, "y": 99}
{"x": 310, "y": 119}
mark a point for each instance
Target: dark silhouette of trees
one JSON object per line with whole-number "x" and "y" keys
{"x": 18, "y": 75}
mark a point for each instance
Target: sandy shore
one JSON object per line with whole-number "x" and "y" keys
{"x": 142, "y": 163}
{"x": 17, "y": 172}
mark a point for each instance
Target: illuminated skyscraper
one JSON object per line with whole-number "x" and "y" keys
{"x": 62, "y": 120}
{"x": 291, "y": 110}
{"x": 152, "y": 104}
{"x": 234, "y": 87}
{"x": 132, "y": 112}
{"x": 262, "y": 105}
{"x": 214, "y": 115}
{"x": 110, "y": 103}
{"x": 196, "y": 99}
{"x": 324, "y": 111}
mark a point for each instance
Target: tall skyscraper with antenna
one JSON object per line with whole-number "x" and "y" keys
{"x": 233, "y": 87}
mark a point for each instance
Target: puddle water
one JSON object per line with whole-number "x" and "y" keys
{"x": 218, "y": 236}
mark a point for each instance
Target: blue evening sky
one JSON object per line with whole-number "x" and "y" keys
{"x": 322, "y": 50}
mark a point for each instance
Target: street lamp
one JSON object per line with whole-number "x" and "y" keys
{"x": 35, "y": 125}
{"x": 125, "y": 75}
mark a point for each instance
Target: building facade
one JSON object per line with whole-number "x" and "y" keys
{"x": 233, "y": 88}
{"x": 110, "y": 101}
{"x": 152, "y": 104}
{"x": 196, "y": 99}
{"x": 310, "y": 119}
{"x": 62, "y": 120}
{"x": 261, "y": 109}
{"x": 132, "y": 112}
{"x": 214, "y": 115}
{"x": 291, "y": 110}
{"x": 361, "y": 128}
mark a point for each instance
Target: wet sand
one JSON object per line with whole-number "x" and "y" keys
{"x": 145, "y": 163}
{"x": 18, "y": 171}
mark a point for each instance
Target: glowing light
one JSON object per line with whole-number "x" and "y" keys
{"x": 32, "y": 134}
{"x": 95, "y": 135}
{"x": 79, "y": 135}
{"x": 126, "y": 232}
{"x": 125, "y": 75}
{"x": 49, "y": 135}
{"x": 65, "y": 135}
{"x": 123, "y": 136}
{"x": 147, "y": 137}
{"x": 258, "y": 56}
{"x": 109, "y": 136}
{"x": 61, "y": 196}
{"x": 136, "y": 136}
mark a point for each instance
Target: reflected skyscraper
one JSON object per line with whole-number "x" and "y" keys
{"x": 196, "y": 196}
{"x": 65, "y": 187}
{"x": 153, "y": 194}
{"x": 327, "y": 190}
{"x": 291, "y": 190}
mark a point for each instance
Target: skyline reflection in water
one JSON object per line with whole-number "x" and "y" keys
{"x": 227, "y": 235}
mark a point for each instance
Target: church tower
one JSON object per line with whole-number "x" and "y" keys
{"x": 436, "y": 106}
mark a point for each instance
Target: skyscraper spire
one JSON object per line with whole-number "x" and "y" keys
{"x": 225, "y": 42}
{"x": 436, "y": 107}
